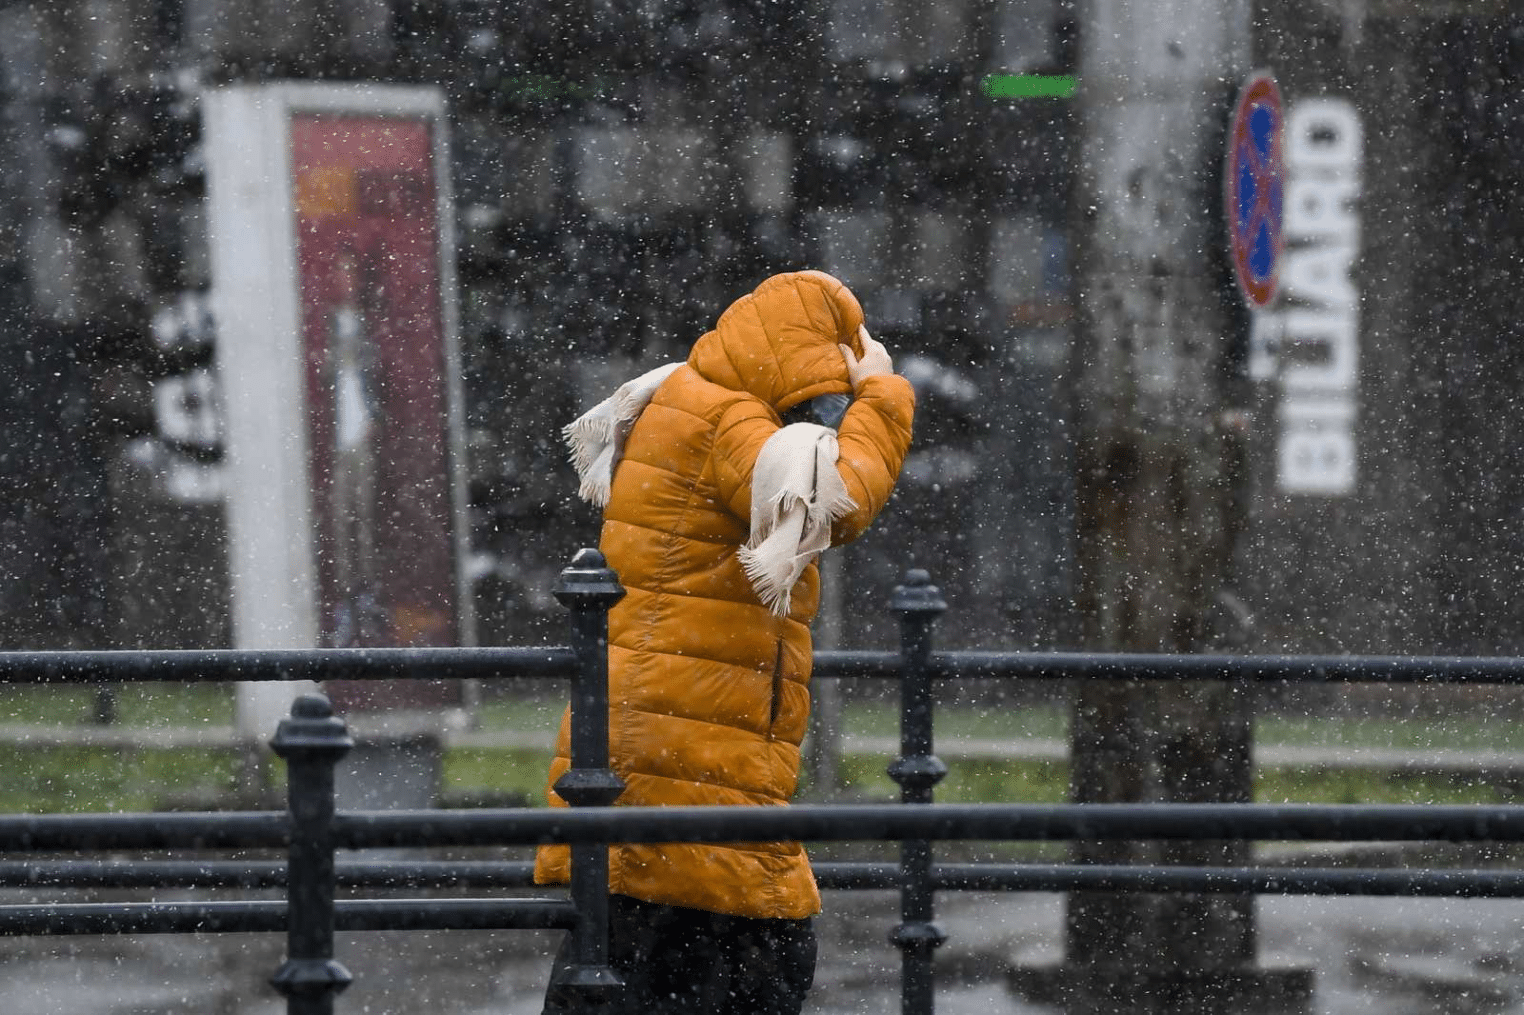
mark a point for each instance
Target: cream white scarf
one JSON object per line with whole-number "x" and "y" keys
{"x": 796, "y": 495}
{"x": 796, "y": 490}
{"x": 597, "y": 436}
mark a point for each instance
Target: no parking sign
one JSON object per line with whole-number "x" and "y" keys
{"x": 1254, "y": 186}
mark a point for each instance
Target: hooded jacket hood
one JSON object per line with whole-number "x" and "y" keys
{"x": 779, "y": 342}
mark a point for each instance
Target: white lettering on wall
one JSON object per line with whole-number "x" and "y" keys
{"x": 187, "y": 408}
{"x": 1317, "y": 334}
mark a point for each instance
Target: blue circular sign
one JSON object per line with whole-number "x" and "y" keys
{"x": 1255, "y": 188}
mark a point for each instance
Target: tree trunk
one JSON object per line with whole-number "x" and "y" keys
{"x": 1157, "y": 489}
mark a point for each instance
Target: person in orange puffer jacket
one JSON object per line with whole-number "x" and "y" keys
{"x": 715, "y": 510}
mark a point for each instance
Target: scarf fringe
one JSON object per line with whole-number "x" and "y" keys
{"x": 596, "y": 438}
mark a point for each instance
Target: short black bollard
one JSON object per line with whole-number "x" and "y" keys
{"x": 919, "y": 603}
{"x": 589, "y": 588}
{"x": 311, "y": 743}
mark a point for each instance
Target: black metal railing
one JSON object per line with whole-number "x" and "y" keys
{"x": 312, "y": 742}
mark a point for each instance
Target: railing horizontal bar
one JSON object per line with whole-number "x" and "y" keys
{"x": 1251, "y": 669}
{"x": 1012, "y": 822}
{"x": 187, "y": 665}
{"x": 435, "y": 874}
{"x": 261, "y": 874}
{"x": 142, "y": 918}
{"x": 141, "y": 874}
{"x": 270, "y": 916}
{"x": 1009, "y": 822}
{"x": 847, "y": 875}
{"x": 1255, "y": 880}
{"x": 855, "y": 663}
{"x": 992, "y": 877}
{"x": 831, "y": 875}
{"x": 21, "y": 833}
{"x": 455, "y": 914}
{"x": 127, "y": 666}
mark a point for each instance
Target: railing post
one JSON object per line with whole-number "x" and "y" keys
{"x": 919, "y": 603}
{"x": 589, "y": 588}
{"x": 311, "y": 742}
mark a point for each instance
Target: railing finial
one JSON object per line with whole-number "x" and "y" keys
{"x": 588, "y": 583}
{"x": 916, "y": 594}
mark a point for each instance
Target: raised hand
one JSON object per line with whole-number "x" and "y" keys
{"x": 875, "y": 359}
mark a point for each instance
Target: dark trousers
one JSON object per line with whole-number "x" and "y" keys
{"x": 678, "y": 961}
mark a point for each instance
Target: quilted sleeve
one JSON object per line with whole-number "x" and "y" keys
{"x": 874, "y": 437}
{"x": 742, "y": 430}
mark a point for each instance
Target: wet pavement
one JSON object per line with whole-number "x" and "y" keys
{"x": 1371, "y": 955}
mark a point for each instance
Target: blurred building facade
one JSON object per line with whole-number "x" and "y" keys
{"x": 623, "y": 170}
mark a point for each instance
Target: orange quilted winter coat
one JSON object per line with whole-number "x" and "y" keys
{"x": 708, "y": 689}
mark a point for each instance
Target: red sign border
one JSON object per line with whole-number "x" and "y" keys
{"x": 1258, "y": 89}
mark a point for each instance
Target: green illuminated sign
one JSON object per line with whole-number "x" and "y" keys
{"x": 1030, "y": 86}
